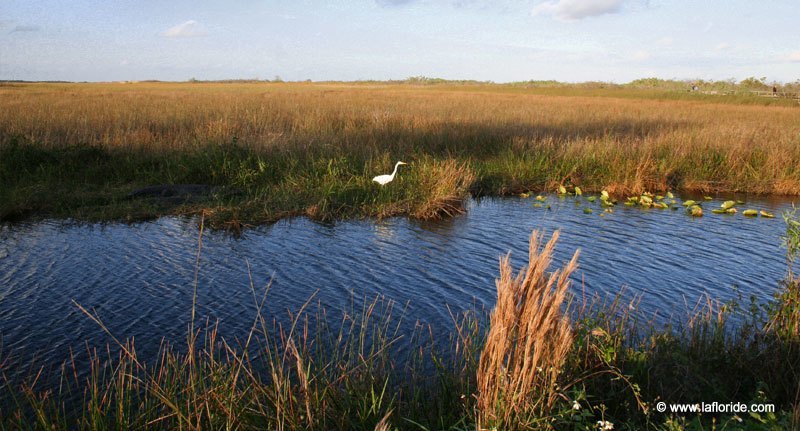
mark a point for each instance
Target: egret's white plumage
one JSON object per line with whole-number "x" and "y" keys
{"x": 383, "y": 179}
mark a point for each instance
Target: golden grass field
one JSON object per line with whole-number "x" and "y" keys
{"x": 276, "y": 150}
{"x": 312, "y": 148}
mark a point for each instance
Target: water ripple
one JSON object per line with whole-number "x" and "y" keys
{"x": 140, "y": 278}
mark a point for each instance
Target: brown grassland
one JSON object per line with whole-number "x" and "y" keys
{"x": 539, "y": 360}
{"x": 280, "y": 149}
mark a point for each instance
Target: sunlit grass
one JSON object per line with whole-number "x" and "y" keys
{"x": 77, "y": 150}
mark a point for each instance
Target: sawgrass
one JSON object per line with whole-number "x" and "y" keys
{"x": 277, "y": 149}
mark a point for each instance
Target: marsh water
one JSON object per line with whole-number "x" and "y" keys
{"x": 140, "y": 278}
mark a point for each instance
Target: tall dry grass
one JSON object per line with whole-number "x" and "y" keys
{"x": 527, "y": 344}
{"x": 447, "y": 187}
{"x": 289, "y": 149}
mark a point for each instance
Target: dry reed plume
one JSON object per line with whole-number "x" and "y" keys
{"x": 528, "y": 342}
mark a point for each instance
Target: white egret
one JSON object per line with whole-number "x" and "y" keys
{"x": 383, "y": 179}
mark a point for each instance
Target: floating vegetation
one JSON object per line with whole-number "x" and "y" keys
{"x": 524, "y": 195}
{"x": 648, "y": 200}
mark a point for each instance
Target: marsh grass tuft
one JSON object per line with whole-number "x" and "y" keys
{"x": 527, "y": 344}
{"x": 445, "y": 189}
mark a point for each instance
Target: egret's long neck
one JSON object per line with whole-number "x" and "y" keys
{"x": 397, "y": 165}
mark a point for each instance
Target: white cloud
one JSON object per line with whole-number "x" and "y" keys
{"x": 640, "y": 55}
{"x": 189, "y": 28}
{"x": 665, "y": 41}
{"x": 722, "y": 46}
{"x": 392, "y": 2}
{"x": 573, "y": 10}
{"x": 794, "y": 56}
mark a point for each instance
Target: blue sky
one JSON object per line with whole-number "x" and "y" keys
{"x": 501, "y": 40}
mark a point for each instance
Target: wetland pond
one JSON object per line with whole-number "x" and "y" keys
{"x": 139, "y": 278}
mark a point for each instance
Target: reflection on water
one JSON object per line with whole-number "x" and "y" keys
{"x": 139, "y": 278}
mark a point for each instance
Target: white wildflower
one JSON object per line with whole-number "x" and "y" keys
{"x": 605, "y": 425}
{"x": 576, "y": 405}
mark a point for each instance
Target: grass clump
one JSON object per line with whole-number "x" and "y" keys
{"x": 527, "y": 344}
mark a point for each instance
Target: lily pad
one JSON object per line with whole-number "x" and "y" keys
{"x": 727, "y": 204}
{"x": 708, "y": 198}
{"x": 766, "y": 214}
{"x": 695, "y": 211}
{"x": 590, "y": 198}
{"x": 750, "y": 213}
{"x": 541, "y": 198}
{"x": 719, "y": 211}
{"x": 689, "y": 203}
{"x": 578, "y": 191}
{"x": 562, "y": 190}
{"x": 587, "y": 211}
{"x": 669, "y": 195}
{"x": 524, "y": 195}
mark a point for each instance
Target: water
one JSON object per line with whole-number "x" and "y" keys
{"x": 139, "y": 278}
